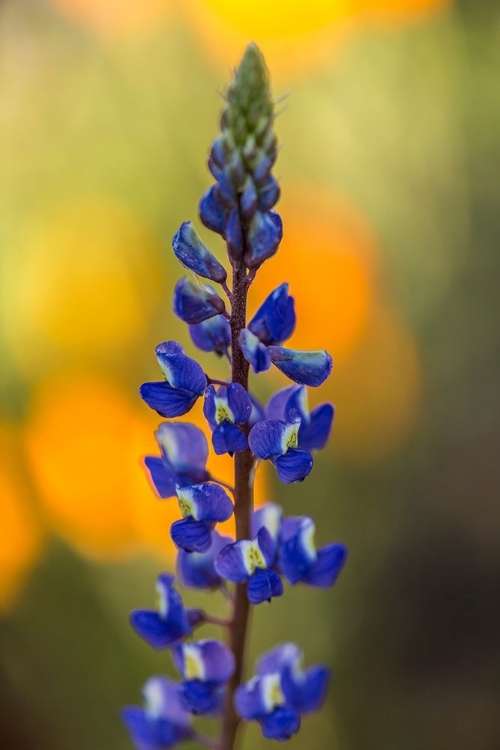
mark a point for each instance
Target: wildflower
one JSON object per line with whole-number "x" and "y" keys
{"x": 281, "y": 692}
{"x": 278, "y": 440}
{"x": 195, "y": 302}
{"x": 197, "y": 569}
{"x": 185, "y": 382}
{"x": 205, "y": 667}
{"x": 212, "y": 335}
{"x": 274, "y": 321}
{"x": 249, "y": 561}
{"x": 184, "y": 453}
{"x": 226, "y": 409}
{"x": 315, "y": 426}
{"x": 202, "y": 506}
{"x": 299, "y": 560}
{"x": 191, "y": 251}
{"x": 171, "y": 622}
{"x": 164, "y": 721}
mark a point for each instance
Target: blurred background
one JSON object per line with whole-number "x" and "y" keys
{"x": 390, "y": 156}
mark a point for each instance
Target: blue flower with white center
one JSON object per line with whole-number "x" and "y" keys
{"x": 205, "y": 667}
{"x": 212, "y": 335}
{"x": 196, "y": 570}
{"x": 281, "y": 692}
{"x": 185, "y": 382}
{"x": 192, "y": 252}
{"x": 315, "y": 426}
{"x": 225, "y": 409}
{"x": 300, "y": 561}
{"x": 274, "y": 321}
{"x": 170, "y": 622}
{"x": 202, "y": 506}
{"x": 278, "y": 441}
{"x": 250, "y": 561}
{"x": 164, "y": 720}
{"x": 184, "y": 453}
{"x": 195, "y": 302}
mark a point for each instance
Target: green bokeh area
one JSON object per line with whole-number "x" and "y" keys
{"x": 406, "y": 124}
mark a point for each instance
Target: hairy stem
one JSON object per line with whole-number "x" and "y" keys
{"x": 243, "y": 504}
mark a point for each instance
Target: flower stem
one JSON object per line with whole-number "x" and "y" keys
{"x": 243, "y": 505}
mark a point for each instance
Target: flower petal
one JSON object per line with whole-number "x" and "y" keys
{"x": 274, "y": 321}
{"x": 277, "y": 658}
{"x": 254, "y": 351}
{"x": 205, "y": 502}
{"x": 194, "y": 303}
{"x": 192, "y": 252}
{"x": 163, "y": 477}
{"x": 239, "y": 403}
{"x": 266, "y": 438}
{"x": 282, "y": 724}
{"x": 249, "y": 700}
{"x": 263, "y": 585}
{"x": 327, "y": 567}
{"x": 191, "y": 535}
{"x": 150, "y": 733}
{"x": 314, "y": 689}
{"x": 197, "y": 569}
{"x": 180, "y": 371}
{"x": 155, "y": 630}
{"x": 268, "y": 516}
{"x": 212, "y": 335}
{"x": 212, "y": 212}
{"x": 230, "y": 563}
{"x": 269, "y": 194}
{"x": 297, "y": 550}
{"x": 314, "y": 435}
{"x": 167, "y": 401}
{"x": 207, "y": 660}
{"x": 185, "y": 447}
{"x": 304, "y": 367}
{"x": 264, "y": 237}
{"x": 228, "y": 438}
{"x": 203, "y": 698}
{"x": 294, "y": 466}
{"x": 277, "y": 406}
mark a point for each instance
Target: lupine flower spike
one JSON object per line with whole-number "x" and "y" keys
{"x": 270, "y": 549}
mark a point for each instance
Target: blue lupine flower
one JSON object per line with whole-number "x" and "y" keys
{"x": 264, "y": 236}
{"x": 205, "y": 667}
{"x": 212, "y": 335}
{"x": 254, "y": 351}
{"x": 277, "y": 440}
{"x": 197, "y": 569}
{"x": 274, "y": 321}
{"x": 195, "y": 302}
{"x": 212, "y": 212}
{"x": 164, "y": 720}
{"x": 185, "y": 382}
{"x": 184, "y": 453}
{"x": 171, "y": 622}
{"x": 192, "y": 252}
{"x": 225, "y": 409}
{"x": 299, "y": 560}
{"x": 250, "y": 561}
{"x": 306, "y": 368}
{"x": 315, "y": 426}
{"x": 202, "y": 506}
{"x": 268, "y": 516}
{"x": 281, "y": 692}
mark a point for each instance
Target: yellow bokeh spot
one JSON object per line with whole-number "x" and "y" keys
{"x": 117, "y": 17}
{"x": 85, "y": 284}
{"x": 377, "y": 391}
{"x": 83, "y": 438}
{"x": 20, "y": 532}
{"x": 292, "y": 36}
{"x": 327, "y": 255}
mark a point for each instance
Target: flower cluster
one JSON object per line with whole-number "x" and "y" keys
{"x": 270, "y": 549}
